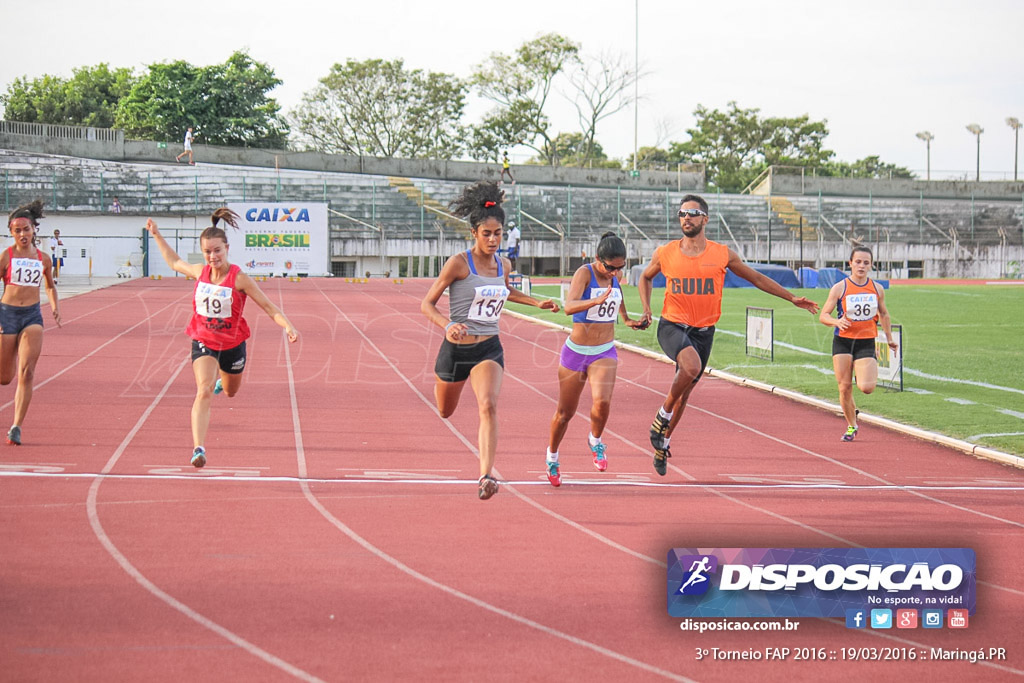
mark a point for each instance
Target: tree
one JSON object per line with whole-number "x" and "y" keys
{"x": 520, "y": 86}
{"x": 601, "y": 88}
{"x": 868, "y": 167}
{"x": 380, "y": 108}
{"x": 572, "y": 149}
{"x": 227, "y": 104}
{"x": 89, "y": 98}
{"x": 737, "y": 145}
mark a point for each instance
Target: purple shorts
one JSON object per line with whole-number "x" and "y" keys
{"x": 579, "y": 362}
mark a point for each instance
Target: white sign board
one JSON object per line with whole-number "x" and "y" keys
{"x": 282, "y": 238}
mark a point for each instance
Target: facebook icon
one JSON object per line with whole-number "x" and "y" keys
{"x": 856, "y": 618}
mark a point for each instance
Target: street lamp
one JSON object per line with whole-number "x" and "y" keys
{"x": 927, "y": 137}
{"x": 977, "y": 130}
{"x": 1015, "y": 124}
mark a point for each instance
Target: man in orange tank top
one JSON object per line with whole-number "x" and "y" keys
{"x": 694, "y": 269}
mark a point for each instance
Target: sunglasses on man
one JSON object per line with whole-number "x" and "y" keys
{"x": 692, "y": 213}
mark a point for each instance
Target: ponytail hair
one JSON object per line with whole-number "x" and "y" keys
{"x": 478, "y": 202}
{"x": 213, "y": 232}
{"x": 861, "y": 247}
{"x": 611, "y": 246}
{"x": 32, "y": 211}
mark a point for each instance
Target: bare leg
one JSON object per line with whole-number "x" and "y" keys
{"x": 842, "y": 363}
{"x": 602, "y": 384}
{"x": 570, "y": 386}
{"x": 485, "y": 379}
{"x": 205, "y": 370}
{"x": 687, "y": 373}
{"x": 866, "y": 370}
{"x": 30, "y": 343}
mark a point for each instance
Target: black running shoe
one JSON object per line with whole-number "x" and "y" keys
{"x": 659, "y": 430}
{"x": 660, "y": 456}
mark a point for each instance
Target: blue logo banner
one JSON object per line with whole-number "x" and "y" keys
{"x": 818, "y": 582}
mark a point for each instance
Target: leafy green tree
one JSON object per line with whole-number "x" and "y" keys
{"x": 520, "y": 86}
{"x": 89, "y": 98}
{"x": 574, "y": 149}
{"x": 737, "y": 144}
{"x": 380, "y": 108}
{"x": 227, "y": 104}
{"x": 868, "y": 167}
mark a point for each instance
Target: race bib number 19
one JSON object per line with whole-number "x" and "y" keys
{"x": 213, "y": 301}
{"x": 487, "y": 303}
{"x": 26, "y": 272}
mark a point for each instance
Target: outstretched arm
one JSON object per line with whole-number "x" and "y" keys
{"x": 176, "y": 263}
{"x": 766, "y": 284}
{"x": 246, "y": 284}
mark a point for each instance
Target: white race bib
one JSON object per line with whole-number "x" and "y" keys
{"x": 213, "y": 301}
{"x": 861, "y": 306}
{"x": 604, "y": 312}
{"x": 26, "y": 272}
{"x": 487, "y": 303}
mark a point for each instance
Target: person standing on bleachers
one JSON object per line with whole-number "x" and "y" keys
{"x": 694, "y": 269}
{"x": 56, "y": 254}
{"x": 512, "y": 240}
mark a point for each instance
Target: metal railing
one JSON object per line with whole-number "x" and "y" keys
{"x": 50, "y": 130}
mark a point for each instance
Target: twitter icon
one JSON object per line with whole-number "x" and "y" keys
{"x": 881, "y": 618}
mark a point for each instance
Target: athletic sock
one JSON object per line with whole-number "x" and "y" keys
{"x": 593, "y": 440}
{"x": 667, "y": 440}
{"x": 662, "y": 414}
{"x": 552, "y": 457}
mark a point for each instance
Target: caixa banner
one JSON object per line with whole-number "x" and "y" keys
{"x": 816, "y": 582}
{"x": 282, "y": 238}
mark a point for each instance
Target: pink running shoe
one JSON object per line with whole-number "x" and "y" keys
{"x": 554, "y": 476}
{"x": 600, "y": 461}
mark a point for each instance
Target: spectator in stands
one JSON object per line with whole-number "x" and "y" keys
{"x": 505, "y": 169}
{"x": 594, "y": 301}
{"x": 188, "y": 147}
{"x": 477, "y": 284}
{"x": 115, "y": 206}
{"x": 25, "y": 268}
{"x": 512, "y": 240}
{"x": 694, "y": 269}
{"x": 861, "y": 304}
{"x": 56, "y": 254}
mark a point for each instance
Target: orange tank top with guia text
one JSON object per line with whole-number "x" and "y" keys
{"x": 858, "y": 304}
{"x": 693, "y": 284}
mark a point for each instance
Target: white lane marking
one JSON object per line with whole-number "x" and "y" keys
{"x": 960, "y": 401}
{"x": 422, "y": 577}
{"x": 129, "y": 568}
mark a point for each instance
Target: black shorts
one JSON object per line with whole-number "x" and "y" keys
{"x": 231, "y": 361}
{"x": 14, "y": 319}
{"x": 455, "y": 361}
{"x": 858, "y": 348}
{"x": 674, "y": 337}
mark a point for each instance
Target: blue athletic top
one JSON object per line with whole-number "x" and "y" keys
{"x": 477, "y": 300}
{"x": 603, "y": 313}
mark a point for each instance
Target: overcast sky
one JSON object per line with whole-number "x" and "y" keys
{"x": 877, "y": 71}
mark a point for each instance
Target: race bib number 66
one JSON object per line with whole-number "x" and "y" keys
{"x": 213, "y": 301}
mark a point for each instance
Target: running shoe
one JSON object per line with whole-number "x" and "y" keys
{"x": 554, "y": 476}
{"x": 488, "y": 487}
{"x": 850, "y": 433}
{"x": 218, "y": 387}
{"x": 198, "y": 457}
{"x": 660, "y": 456}
{"x": 14, "y": 435}
{"x": 659, "y": 430}
{"x": 600, "y": 461}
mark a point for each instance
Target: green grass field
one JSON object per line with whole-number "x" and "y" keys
{"x": 963, "y": 355}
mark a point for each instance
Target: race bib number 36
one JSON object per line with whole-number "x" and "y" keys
{"x": 605, "y": 311}
{"x": 213, "y": 301}
{"x": 26, "y": 272}
{"x": 861, "y": 306}
{"x": 487, "y": 303}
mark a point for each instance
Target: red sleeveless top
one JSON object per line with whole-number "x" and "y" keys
{"x": 217, "y": 319}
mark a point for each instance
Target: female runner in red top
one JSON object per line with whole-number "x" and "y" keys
{"x": 24, "y": 269}
{"x": 217, "y": 328}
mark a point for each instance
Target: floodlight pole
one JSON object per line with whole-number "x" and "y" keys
{"x": 927, "y": 137}
{"x": 1014, "y": 123}
{"x": 977, "y": 131}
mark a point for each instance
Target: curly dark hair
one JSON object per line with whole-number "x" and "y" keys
{"x": 213, "y": 232}
{"x": 32, "y": 211}
{"x": 478, "y": 202}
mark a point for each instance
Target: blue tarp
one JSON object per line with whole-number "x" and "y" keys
{"x": 808, "y": 277}
{"x": 829, "y": 276}
{"x": 784, "y": 276}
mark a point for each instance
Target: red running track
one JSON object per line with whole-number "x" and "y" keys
{"x": 336, "y": 533}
